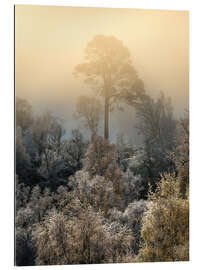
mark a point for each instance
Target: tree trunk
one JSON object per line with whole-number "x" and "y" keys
{"x": 106, "y": 119}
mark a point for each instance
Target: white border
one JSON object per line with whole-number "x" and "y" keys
{"x": 147, "y": 4}
{"x": 196, "y": 105}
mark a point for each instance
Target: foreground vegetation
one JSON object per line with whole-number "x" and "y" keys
{"x": 84, "y": 201}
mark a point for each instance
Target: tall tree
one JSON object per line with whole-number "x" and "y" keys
{"x": 109, "y": 70}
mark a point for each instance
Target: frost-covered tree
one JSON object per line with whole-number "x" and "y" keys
{"x": 47, "y": 133}
{"x": 158, "y": 128}
{"x": 74, "y": 151}
{"x": 156, "y": 120}
{"x": 58, "y": 158}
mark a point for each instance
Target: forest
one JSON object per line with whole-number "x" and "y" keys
{"x": 83, "y": 198}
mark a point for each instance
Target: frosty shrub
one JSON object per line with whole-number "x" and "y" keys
{"x": 52, "y": 241}
{"x": 132, "y": 219}
{"x": 150, "y": 162}
{"x": 101, "y": 159}
{"x": 134, "y": 187}
{"x": 40, "y": 203}
{"x": 79, "y": 239}
{"x": 100, "y": 155}
{"x": 73, "y": 151}
{"x": 25, "y": 217}
{"x": 98, "y": 192}
{"x": 31, "y": 209}
{"x": 124, "y": 152}
{"x": 61, "y": 197}
{"x": 165, "y": 229}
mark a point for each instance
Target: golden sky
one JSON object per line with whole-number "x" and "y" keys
{"x": 50, "y": 42}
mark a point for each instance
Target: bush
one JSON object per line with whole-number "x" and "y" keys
{"x": 101, "y": 159}
{"x": 165, "y": 229}
{"x": 132, "y": 219}
{"x": 82, "y": 237}
{"x": 96, "y": 191}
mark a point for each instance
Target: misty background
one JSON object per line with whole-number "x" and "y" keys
{"x": 50, "y": 42}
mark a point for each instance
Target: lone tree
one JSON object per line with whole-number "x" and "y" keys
{"x": 109, "y": 70}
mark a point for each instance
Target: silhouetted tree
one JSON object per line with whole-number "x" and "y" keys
{"x": 157, "y": 125}
{"x": 24, "y": 117}
{"x": 108, "y": 68}
{"x": 88, "y": 110}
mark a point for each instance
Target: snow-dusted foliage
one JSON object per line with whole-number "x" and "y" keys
{"x": 82, "y": 238}
{"x": 73, "y": 151}
{"x": 100, "y": 156}
{"x": 34, "y": 208}
{"x": 30, "y": 210}
{"x": 124, "y": 152}
{"x": 96, "y": 191}
{"x": 131, "y": 217}
{"x": 80, "y": 201}
{"x": 165, "y": 229}
{"x": 149, "y": 163}
{"x": 101, "y": 159}
{"x": 134, "y": 187}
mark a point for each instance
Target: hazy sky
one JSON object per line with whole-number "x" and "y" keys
{"x": 50, "y": 42}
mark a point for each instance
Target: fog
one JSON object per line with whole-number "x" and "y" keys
{"x": 50, "y": 42}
